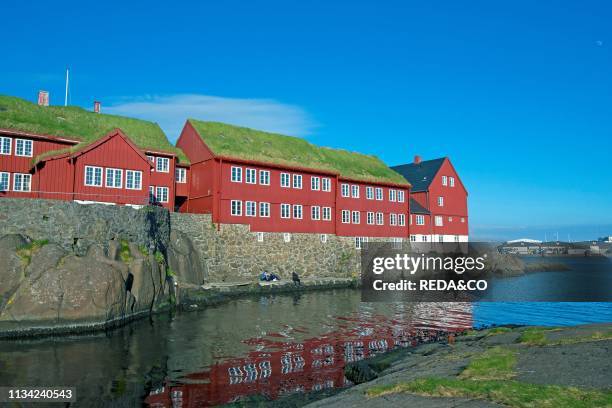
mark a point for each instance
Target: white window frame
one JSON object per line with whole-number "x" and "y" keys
{"x": 236, "y": 208}
{"x": 236, "y": 174}
{"x": 392, "y": 195}
{"x": 444, "y": 180}
{"x": 285, "y": 211}
{"x": 287, "y": 237}
{"x": 420, "y": 219}
{"x": 346, "y": 217}
{"x": 250, "y": 174}
{"x": 298, "y": 211}
{"x": 162, "y": 165}
{"x": 260, "y": 237}
{"x": 462, "y": 219}
{"x": 297, "y": 181}
{"x": 401, "y": 197}
{"x": 159, "y": 191}
{"x": 180, "y": 175}
{"x": 285, "y": 180}
{"x": 441, "y": 201}
{"x": 401, "y": 220}
{"x": 393, "y": 219}
{"x": 326, "y": 184}
{"x": 326, "y": 214}
{"x": 250, "y": 209}
{"x": 19, "y": 186}
{"x": 356, "y": 217}
{"x": 133, "y": 173}
{"x": 451, "y": 181}
{"x": 93, "y": 176}
{"x": 424, "y": 238}
{"x": 412, "y": 238}
{"x": 370, "y": 218}
{"x": 6, "y": 142}
{"x": 379, "y": 193}
{"x": 380, "y": 218}
{"x": 152, "y": 198}
{"x": 360, "y": 242}
{"x": 113, "y": 176}
{"x": 439, "y": 221}
{"x": 24, "y": 143}
{"x": 323, "y": 238}
{"x": 369, "y": 193}
{"x": 344, "y": 190}
{"x": 450, "y": 219}
{"x": 315, "y": 213}
{"x": 264, "y": 177}
{"x": 355, "y": 191}
{"x": 315, "y": 183}
{"x": 264, "y": 210}
{"x": 8, "y": 180}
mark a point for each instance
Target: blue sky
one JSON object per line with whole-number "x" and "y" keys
{"x": 518, "y": 94}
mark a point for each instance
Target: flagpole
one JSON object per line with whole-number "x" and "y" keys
{"x": 67, "y": 79}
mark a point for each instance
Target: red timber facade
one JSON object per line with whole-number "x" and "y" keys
{"x": 439, "y": 210}
{"x": 276, "y": 197}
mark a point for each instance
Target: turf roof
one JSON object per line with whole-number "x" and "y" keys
{"x": 249, "y": 144}
{"x": 82, "y": 125}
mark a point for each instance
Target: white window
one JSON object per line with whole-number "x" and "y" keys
{"x": 326, "y": 184}
{"x": 392, "y": 195}
{"x": 323, "y": 238}
{"x": 401, "y": 219}
{"x": 22, "y": 182}
{"x": 264, "y": 177}
{"x": 462, "y": 219}
{"x": 285, "y": 210}
{"x": 413, "y": 238}
{"x": 162, "y": 194}
{"x": 420, "y": 220}
{"x": 356, "y": 217}
{"x": 327, "y": 213}
{"x": 370, "y": 218}
{"x": 284, "y": 180}
{"x": 251, "y": 176}
{"x": 451, "y": 181}
{"x": 450, "y": 219}
{"x": 260, "y": 236}
{"x": 180, "y": 175}
{"x": 397, "y": 243}
{"x": 345, "y": 190}
{"x": 379, "y": 194}
{"x": 315, "y": 183}
{"x": 297, "y": 211}
{"x": 346, "y": 216}
{"x": 162, "y": 164}
{"x": 287, "y": 237}
{"x": 114, "y": 178}
{"x": 152, "y": 198}
{"x": 439, "y": 221}
{"x": 133, "y": 180}
{"x": 93, "y": 176}
{"x": 264, "y": 210}
{"x": 400, "y": 196}
{"x": 440, "y": 201}
{"x": 370, "y": 193}
{"x": 237, "y": 174}
{"x": 250, "y": 209}
{"x": 23, "y": 147}
{"x": 360, "y": 242}
{"x": 410, "y": 219}
{"x": 315, "y": 212}
{"x": 392, "y": 219}
{"x": 297, "y": 181}
{"x": 236, "y": 207}
{"x": 424, "y": 238}
{"x": 5, "y": 145}
{"x": 444, "y": 181}
{"x": 456, "y": 238}
{"x": 355, "y": 191}
{"x": 151, "y": 159}
{"x": 5, "y": 181}
{"x": 440, "y": 238}
{"x": 380, "y": 219}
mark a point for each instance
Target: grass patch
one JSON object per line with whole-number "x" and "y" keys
{"x": 495, "y": 363}
{"x": 159, "y": 258}
{"x": 597, "y": 336}
{"x": 25, "y": 252}
{"x": 124, "y": 251}
{"x": 533, "y": 336}
{"x": 143, "y": 250}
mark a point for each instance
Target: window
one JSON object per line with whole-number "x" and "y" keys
{"x": 23, "y": 147}
{"x": 287, "y": 237}
{"x": 379, "y": 194}
{"x": 151, "y": 159}
{"x": 440, "y": 238}
{"x": 369, "y": 193}
{"x": 356, "y": 217}
{"x": 380, "y": 219}
{"x": 114, "y": 178}
{"x": 250, "y": 208}
{"x": 163, "y": 164}
{"x": 440, "y": 201}
{"x": 370, "y": 218}
{"x": 236, "y": 207}
{"x": 392, "y": 195}
{"x": 180, "y": 175}
{"x": 345, "y": 190}
{"x": 400, "y": 196}
{"x": 152, "y": 198}
{"x": 327, "y": 213}
{"x": 451, "y": 181}
{"x": 424, "y": 238}
{"x": 284, "y": 179}
{"x": 420, "y": 220}
{"x": 401, "y": 219}
{"x": 326, "y": 184}
{"x": 397, "y": 243}
{"x": 413, "y": 238}
{"x": 360, "y": 242}
{"x": 346, "y": 216}
{"x": 315, "y": 183}
{"x": 456, "y": 238}
{"x": 133, "y": 180}
{"x": 260, "y": 236}
{"x": 264, "y": 177}
{"x": 450, "y": 219}
{"x": 315, "y": 212}
{"x": 410, "y": 219}
{"x": 297, "y": 211}
{"x": 438, "y": 221}
{"x": 444, "y": 181}
{"x": 251, "y": 176}
{"x": 93, "y": 176}
{"x": 392, "y": 219}
{"x": 355, "y": 191}
{"x": 22, "y": 182}
{"x": 462, "y": 219}
{"x": 162, "y": 194}
{"x": 5, "y": 145}
{"x": 5, "y": 181}
{"x": 264, "y": 210}
{"x": 237, "y": 174}
{"x": 323, "y": 238}
{"x": 285, "y": 210}
{"x": 297, "y": 181}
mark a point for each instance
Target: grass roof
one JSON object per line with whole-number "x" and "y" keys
{"x": 249, "y": 144}
{"x": 79, "y": 124}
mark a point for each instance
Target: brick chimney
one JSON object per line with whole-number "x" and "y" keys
{"x": 417, "y": 159}
{"x": 43, "y": 98}
{"x": 97, "y": 106}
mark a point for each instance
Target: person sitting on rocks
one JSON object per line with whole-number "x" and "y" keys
{"x": 296, "y": 279}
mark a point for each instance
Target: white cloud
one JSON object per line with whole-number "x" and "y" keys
{"x": 172, "y": 111}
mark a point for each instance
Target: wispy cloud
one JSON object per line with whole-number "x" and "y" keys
{"x": 172, "y": 111}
